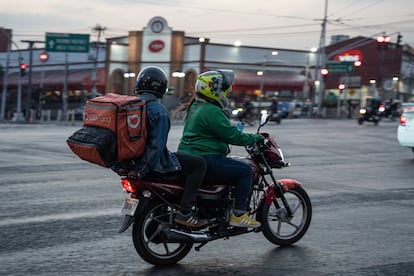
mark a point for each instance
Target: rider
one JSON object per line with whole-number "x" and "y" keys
{"x": 274, "y": 107}
{"x": 248, "y": 110}
{"x": 151, "y": 85}
{"x": 208, "y": 133}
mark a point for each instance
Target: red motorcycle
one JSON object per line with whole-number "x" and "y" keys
{"x": 281, "y": 206}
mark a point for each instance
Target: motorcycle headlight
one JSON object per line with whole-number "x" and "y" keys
{"x": 362, "y": 111}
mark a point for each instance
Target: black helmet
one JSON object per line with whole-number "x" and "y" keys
{"x": 151, "y": 79}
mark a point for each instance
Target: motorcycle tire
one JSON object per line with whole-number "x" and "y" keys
{"x": 280, "y": 229}
{"x": 148, "y": 242}
{"x": 360, "y": 121}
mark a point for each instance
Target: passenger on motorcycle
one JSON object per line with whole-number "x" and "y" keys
{"x": 208, "y": 133}
{"x": 151, "y": 85}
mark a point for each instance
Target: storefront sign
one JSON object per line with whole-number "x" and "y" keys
{"x": 156, "y": 46}
{"x": 349, "y": 55}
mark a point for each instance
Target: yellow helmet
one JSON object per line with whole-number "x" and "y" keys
{"x": 215, "y": 85}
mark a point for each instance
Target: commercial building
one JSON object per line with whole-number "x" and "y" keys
{"x": 261, "y": 73}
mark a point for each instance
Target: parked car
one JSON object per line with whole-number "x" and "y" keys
{"x": 285, "y": 109}
{"x": 407, "y": 106}
{"x": 405, "y": 134}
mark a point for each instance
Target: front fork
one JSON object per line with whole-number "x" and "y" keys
{"x": 278, "y": 190}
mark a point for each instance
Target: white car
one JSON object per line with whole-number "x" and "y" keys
{"x": 405, "y": 132}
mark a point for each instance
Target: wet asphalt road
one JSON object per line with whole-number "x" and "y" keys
{"x": 60, "y": 215}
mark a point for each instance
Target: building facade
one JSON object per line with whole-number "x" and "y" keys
{"x": 260, "y": 73}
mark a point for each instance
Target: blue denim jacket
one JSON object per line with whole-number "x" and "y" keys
{"x": 156, "y": 157}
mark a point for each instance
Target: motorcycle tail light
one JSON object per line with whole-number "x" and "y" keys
{"x": 403, "y": 120}
{"x": 128, "y": 187}
{"x": 381, "y": 108}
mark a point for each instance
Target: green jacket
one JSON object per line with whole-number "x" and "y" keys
{"x": 208, "y": 131}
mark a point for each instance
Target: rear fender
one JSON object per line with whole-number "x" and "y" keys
{"x": 286, "y": 184}
{"x": 128, "y": 220}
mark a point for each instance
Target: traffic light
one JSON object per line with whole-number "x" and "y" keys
{"x": 324, "y": 73}
{"x": 23, "y": 67}
{"x": 399, "y": 37}
{"x": 382, "y": 42}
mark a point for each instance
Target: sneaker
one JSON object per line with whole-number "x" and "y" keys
{"x": 243, "y": 221}
{"x": 190, "y": 220}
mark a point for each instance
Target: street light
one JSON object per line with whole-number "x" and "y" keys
{"x": 127, "y": 76}
{"x": 262, "y": 73}
{"x": 180, "y": 86}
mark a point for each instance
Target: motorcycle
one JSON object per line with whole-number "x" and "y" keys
{"x": 276, "y": 117}
{"x": 248, "y": 117}
{"x": 370, "y": 114}
{"x": 282, "y": 207}
{"x": 392, "y": 111}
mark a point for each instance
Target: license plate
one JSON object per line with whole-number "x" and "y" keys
{"x": 130, "y": 205}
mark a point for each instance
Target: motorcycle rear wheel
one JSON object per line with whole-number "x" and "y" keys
{"x": 282, "y": 230}
{"x": 147, "y": 241}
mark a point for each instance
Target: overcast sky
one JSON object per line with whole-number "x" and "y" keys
{"x": 291, "y": 24}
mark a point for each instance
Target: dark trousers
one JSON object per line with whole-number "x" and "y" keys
{"x": 224, "y": 170}
{"x": 194, "y": 168}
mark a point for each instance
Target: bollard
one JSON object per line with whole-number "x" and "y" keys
{"x": 48, "y": 115}
{"x": 72, "y": 117}
{"x": 59, "y": 116}
{"x": 32, "y": 115}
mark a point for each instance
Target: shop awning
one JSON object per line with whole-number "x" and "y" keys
{"x": 76, "y": 78}
{"x": 272, "y": 80}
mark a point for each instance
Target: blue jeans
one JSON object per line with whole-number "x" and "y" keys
{"x": 224, "y": 170}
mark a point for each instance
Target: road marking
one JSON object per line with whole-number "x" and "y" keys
{"x": 65, "y": 216}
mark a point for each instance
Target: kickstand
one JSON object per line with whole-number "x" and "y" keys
{"x": 197, "y": 248}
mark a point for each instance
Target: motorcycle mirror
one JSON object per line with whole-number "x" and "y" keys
{"x": 264, "y": 117}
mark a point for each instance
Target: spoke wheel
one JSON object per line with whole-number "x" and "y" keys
{"x": 280, "y": 229}
{"x": 147, "y": 240}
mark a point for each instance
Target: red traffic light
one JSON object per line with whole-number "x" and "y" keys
{"x": 383, "y": 39}
{"x": 23, "y": 67}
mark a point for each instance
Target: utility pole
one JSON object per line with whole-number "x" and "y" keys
{"x": 98, "y": 28}
{"x": 29, "y": 85}
{"x": 5, "y": 80}
{"x": 321, "y": 60}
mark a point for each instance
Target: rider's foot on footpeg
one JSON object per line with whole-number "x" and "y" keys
{"x": 190, "y": 219}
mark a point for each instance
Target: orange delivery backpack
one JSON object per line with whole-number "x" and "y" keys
{"x": 114, "y": 129}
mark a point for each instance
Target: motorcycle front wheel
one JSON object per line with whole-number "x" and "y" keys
{"x": 147, "y": 240}
{"x": 281, "y": 229}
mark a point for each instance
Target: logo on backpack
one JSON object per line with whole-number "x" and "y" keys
{"x": 134, "y": 121}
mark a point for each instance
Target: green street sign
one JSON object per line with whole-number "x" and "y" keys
{"x": 344, "y": 67}
{"x": 61, "y": 42}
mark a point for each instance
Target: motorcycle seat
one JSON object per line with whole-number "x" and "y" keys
{"x": 169, "y": 177}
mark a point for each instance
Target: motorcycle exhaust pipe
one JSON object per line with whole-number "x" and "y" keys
{"x": 174, "y": 235}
